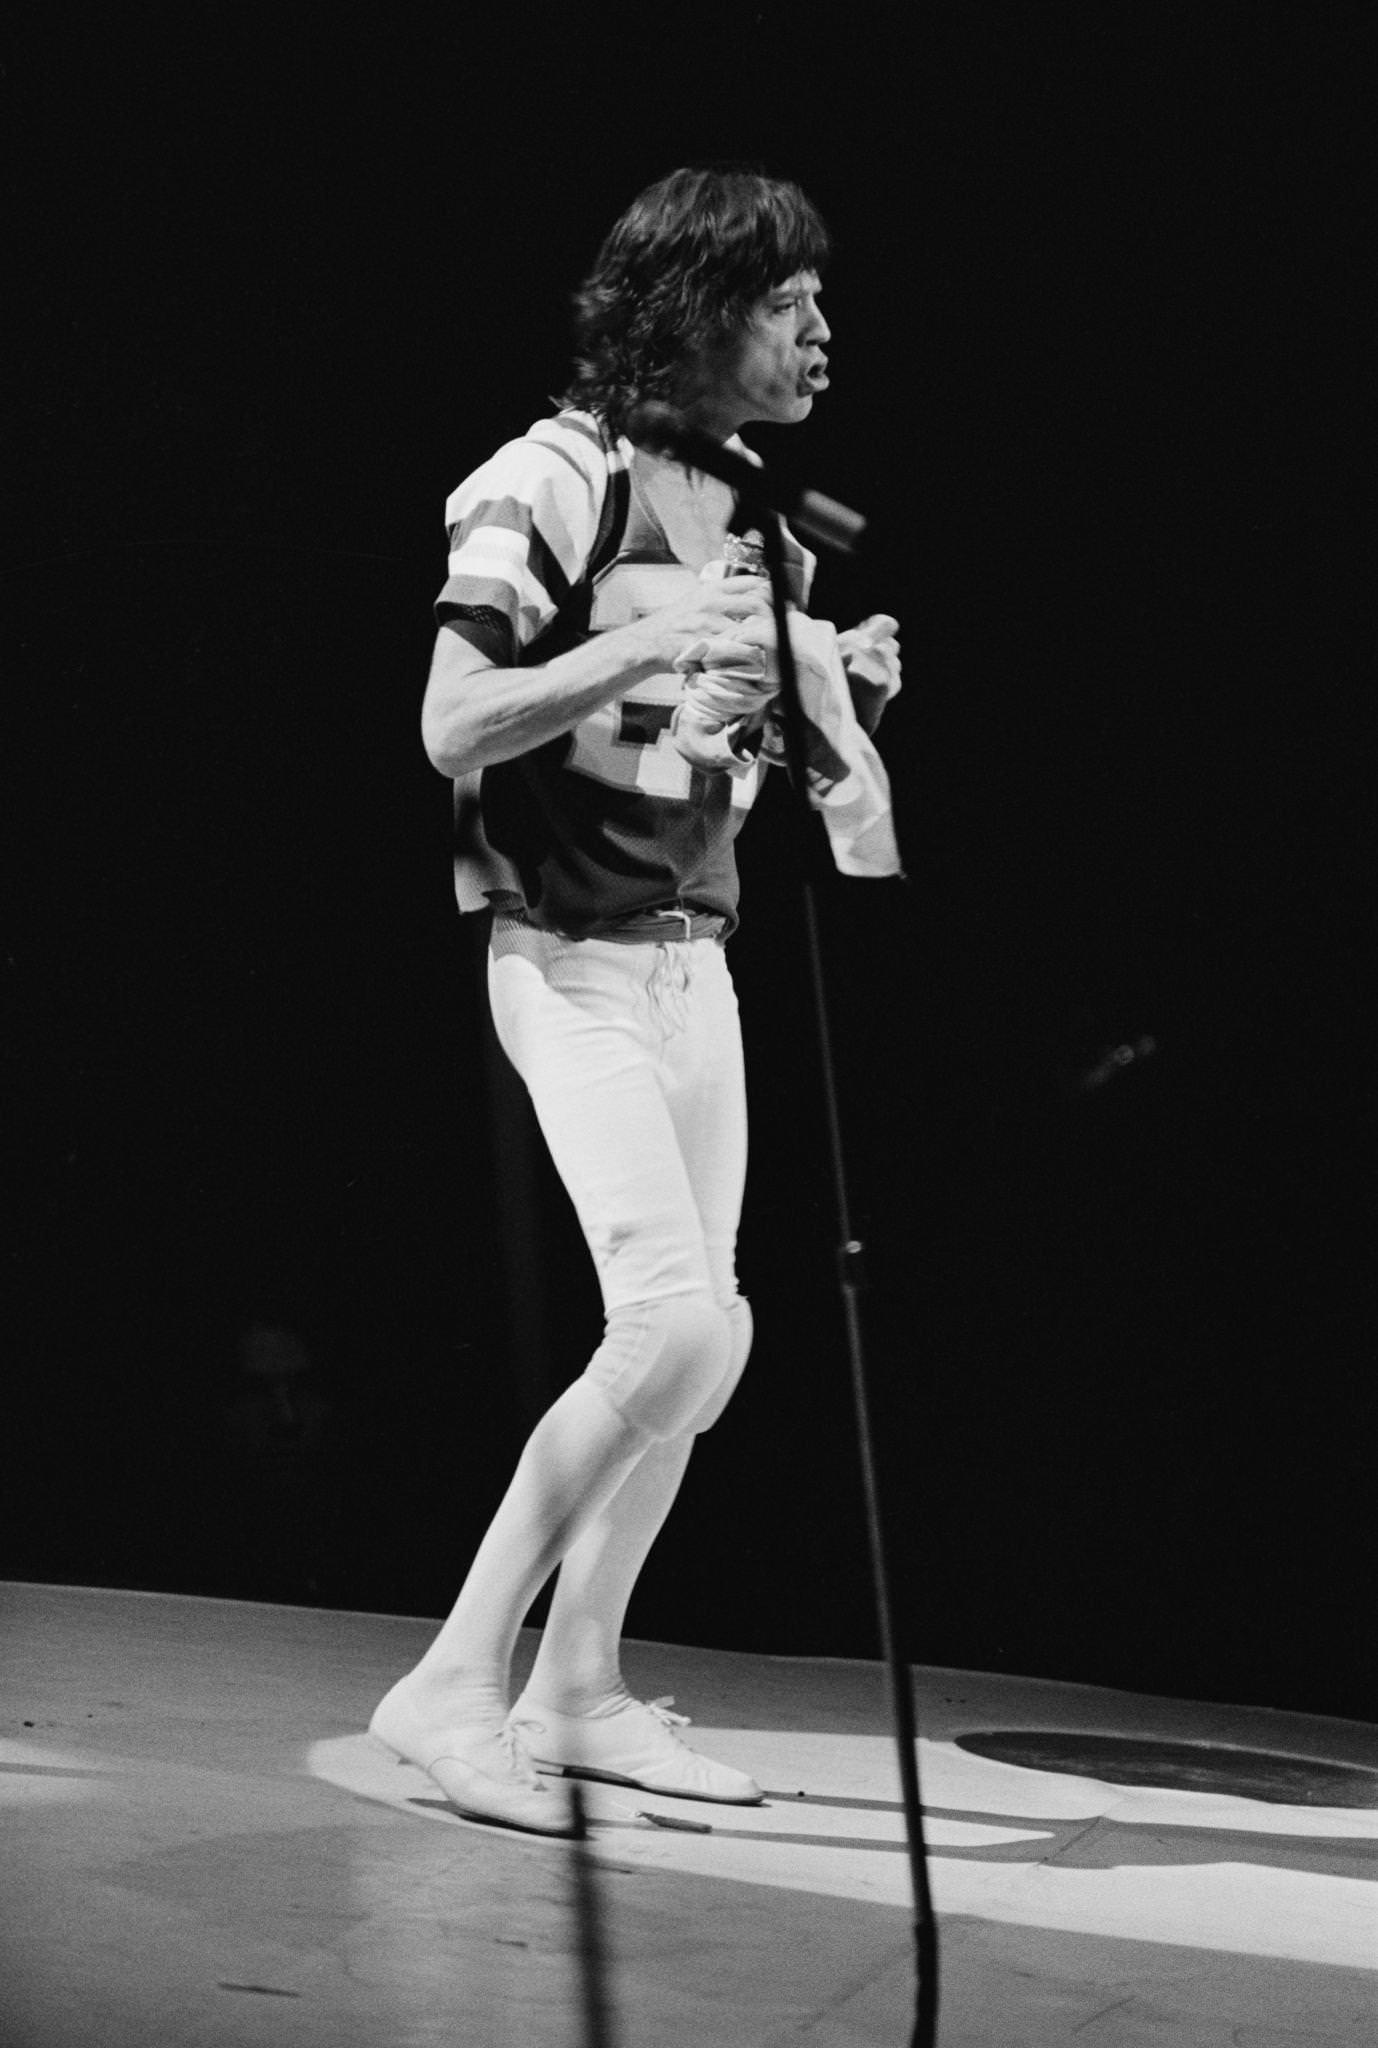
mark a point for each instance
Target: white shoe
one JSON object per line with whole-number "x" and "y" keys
{"x": 635, "y": 1744}
{"x": 485, "y": 1772}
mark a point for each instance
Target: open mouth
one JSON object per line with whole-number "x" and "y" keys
{"x": 815, "y": 378}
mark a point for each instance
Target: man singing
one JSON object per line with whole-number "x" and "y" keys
{"x": 590, "y": 595}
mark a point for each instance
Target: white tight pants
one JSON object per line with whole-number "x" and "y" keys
{"x": 632, "y": 1056}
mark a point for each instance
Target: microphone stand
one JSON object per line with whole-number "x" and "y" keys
{"x": 852, "y": 1281}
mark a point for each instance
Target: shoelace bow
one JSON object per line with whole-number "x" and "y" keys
{"x": 513, "y": 1730}
{"x": 661, "y": 1709}
{"x": 514, "y": 1747}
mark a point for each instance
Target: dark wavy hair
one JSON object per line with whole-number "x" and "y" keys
{"x": 678, "y": 275}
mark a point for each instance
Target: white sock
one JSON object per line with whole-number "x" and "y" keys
{"x": 575, "y": 1459}
{"x": 577, "y": 1670}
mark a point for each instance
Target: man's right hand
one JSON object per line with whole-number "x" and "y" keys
{"x": 476, "y": 715}
{"x": 707, "y": 612}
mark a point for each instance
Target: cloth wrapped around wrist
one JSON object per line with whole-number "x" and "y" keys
{"x": 729, "y": 683}
{"x": 729, "y": 717}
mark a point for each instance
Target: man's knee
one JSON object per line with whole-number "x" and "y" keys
{"x": 661, "y": 1363}
{"x": 737, "y": 1313}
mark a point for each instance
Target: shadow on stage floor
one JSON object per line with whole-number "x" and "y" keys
{"x": 204, "y": 1844}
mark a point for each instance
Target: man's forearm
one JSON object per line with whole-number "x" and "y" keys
{"x": 475, "y": 715}
{"x": 868, "y": 701}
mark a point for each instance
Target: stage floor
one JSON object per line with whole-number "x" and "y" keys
{"x": 203, "y": 1846}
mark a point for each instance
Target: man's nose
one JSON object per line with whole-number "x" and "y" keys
{"x": 815, "y": 327}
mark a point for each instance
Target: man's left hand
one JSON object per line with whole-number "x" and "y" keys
{"x": 871, "y": 653}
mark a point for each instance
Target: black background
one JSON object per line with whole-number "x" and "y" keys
{"x": 1094, "y": 329}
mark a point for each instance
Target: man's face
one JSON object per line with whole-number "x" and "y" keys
{"x": 774, "y": 369}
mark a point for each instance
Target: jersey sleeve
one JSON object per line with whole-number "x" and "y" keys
{"x": 522, "y": 529}
{"x": 800, "y": 563}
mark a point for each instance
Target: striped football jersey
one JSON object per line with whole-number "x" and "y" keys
{"x": 559, "y": 535}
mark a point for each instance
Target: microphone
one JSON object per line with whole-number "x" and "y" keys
{"x": 658, "y": 426}
{"x": 1114, "y": 1062}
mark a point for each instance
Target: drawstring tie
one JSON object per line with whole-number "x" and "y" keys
{"x": 667, "y": 987}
